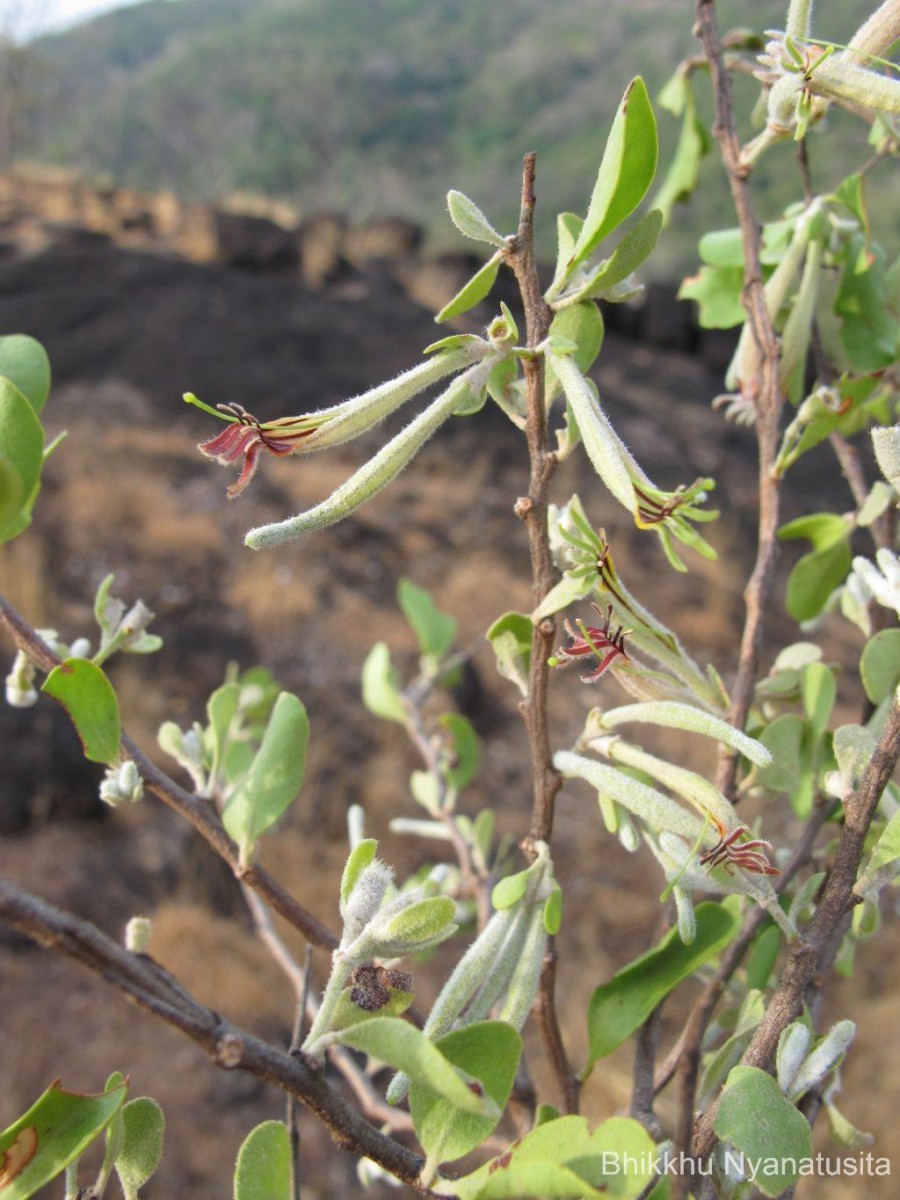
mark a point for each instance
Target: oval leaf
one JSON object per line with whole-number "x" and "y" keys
{"x": 275, "y": 775}
{"x": 142, "y": 1147}
{"x": 405, "y": 1048}
{"x": 879, "y": 666}
{"x": 55, "y": 1131}
{"x": 471, "y": 221}
{"x": 472, "y": 293}
{"x": 88, "y": 697}
{"x": 617, "y": 1008}
{"x": 434, "y": 630}
{"x": 626, "y": 172}
{"x": 263, "y": 1170}
{"x": 380, "y": 689}
{"x": 21, "y": 452}
{"x": 756, "y": 1118}
{"x": 24, "y": 361}
{"x": 489, "y": 1051}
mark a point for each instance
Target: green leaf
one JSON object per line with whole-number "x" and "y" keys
{"x": 722, "y": 248}
{"x": 361, "y": 857}
{"x": 380, "y": 687}
{"x": 422, "y": 921}
{"x": 563, "y": 1159}
{"x": 761, "y": 1123}
{"x": 783, "y": 738}
{"x": 568, "y": 228}
{"x": 402, "y": 1046}
{"x": 581, "y": 324}
{"x": 617, "y": 1008}
{"x": 814, "y": 578}
{"x": 879, "y": 666}
{"x": 634, "y": 249}
{"x": 141, "y": 1153}
{"x": 510, "y": 636}
{"x": 263, "y": 1170}
{"x": 553, "y": 911}
{"x": 221, "y": 709}
{"x": 819, "y": 690}
{"x": 24, "y": 362}
{"x": 434, "y": 630}
{"x": 626, "y": 171}
{"x": 21, "y": 453}
{"x": 53, "y": 1133}
{"x": 472, "y": 293}
{"x": 466, "y": 749}
{"x": 471, "y": 221}
{"x": 822, "y": 529}
{"x": 509, "y": 891}
{"x": 717, "y": 292}
{"x": 489, "y": 1052}
{"x": 275, "y": 775}
{"x": 762, "y": 957}
{"x": 88, "y": 697}
{"x": 694, "y": 143}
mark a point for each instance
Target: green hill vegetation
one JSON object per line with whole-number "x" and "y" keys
{"x": 375, "y": 106}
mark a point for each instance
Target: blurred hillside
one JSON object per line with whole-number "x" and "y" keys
{"x": 374, "y": 106}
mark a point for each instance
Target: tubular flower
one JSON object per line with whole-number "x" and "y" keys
{"x": 596, "y": 640}
{"x": 667, "y": 513}
{"x": 246, "y": 436}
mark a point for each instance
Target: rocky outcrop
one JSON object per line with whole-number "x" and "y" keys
{"x": 48, "y": 206}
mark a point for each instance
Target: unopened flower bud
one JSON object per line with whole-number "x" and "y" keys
{"x": 122, "y": 784}
{"x": 137, "y": 934}
{"x": 20, "y": 690}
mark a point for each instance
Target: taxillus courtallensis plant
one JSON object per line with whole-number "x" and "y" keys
{"x": 761, "y": 923}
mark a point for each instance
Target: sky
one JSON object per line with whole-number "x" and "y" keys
{"x": 33, "y": 17}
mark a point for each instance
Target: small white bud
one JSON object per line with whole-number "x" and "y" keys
{"x": 137, "y": 934}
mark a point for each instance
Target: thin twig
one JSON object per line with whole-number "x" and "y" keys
{"x": 532, "y": 509}
{"x": 817, "y": 944}
{"x": 230, "y": 1047}
{"x": 765, "y": 390}
{"x": 197, "y": 811}
{"x": 688, "y": 1044}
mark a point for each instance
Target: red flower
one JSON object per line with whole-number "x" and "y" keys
{"x": 595, "y": 640}
{"x": 245, "y": 438}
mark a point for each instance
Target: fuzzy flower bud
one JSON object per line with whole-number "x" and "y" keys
{"x": 137, "y": 934}
{"x": 20, "y": 689}
{"x": 122, "y": 784}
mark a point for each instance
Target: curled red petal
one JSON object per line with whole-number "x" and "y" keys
{"x": 228, "y": 446}
{"x": 251, "y": 462}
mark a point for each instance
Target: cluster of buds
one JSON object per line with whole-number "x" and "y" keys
{"x": 122, "y": 784}
{"x": 376, "y": 925}
{"x": 804, "y": 76}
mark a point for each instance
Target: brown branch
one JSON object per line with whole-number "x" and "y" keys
{"x": 688, "y": 1044}
{"x": 197, "y": 811}
{"x": 765, "y": 389}
{"x": 532, "y": 509}
{"x": 145, "y": 983}
{"x": 816, "y": 946}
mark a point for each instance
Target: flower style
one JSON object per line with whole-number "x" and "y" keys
{"x": 596, "y": 640}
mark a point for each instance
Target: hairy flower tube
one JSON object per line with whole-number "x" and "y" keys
{"x": 668, "y": 514}
{"x": 246, "y": 437}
